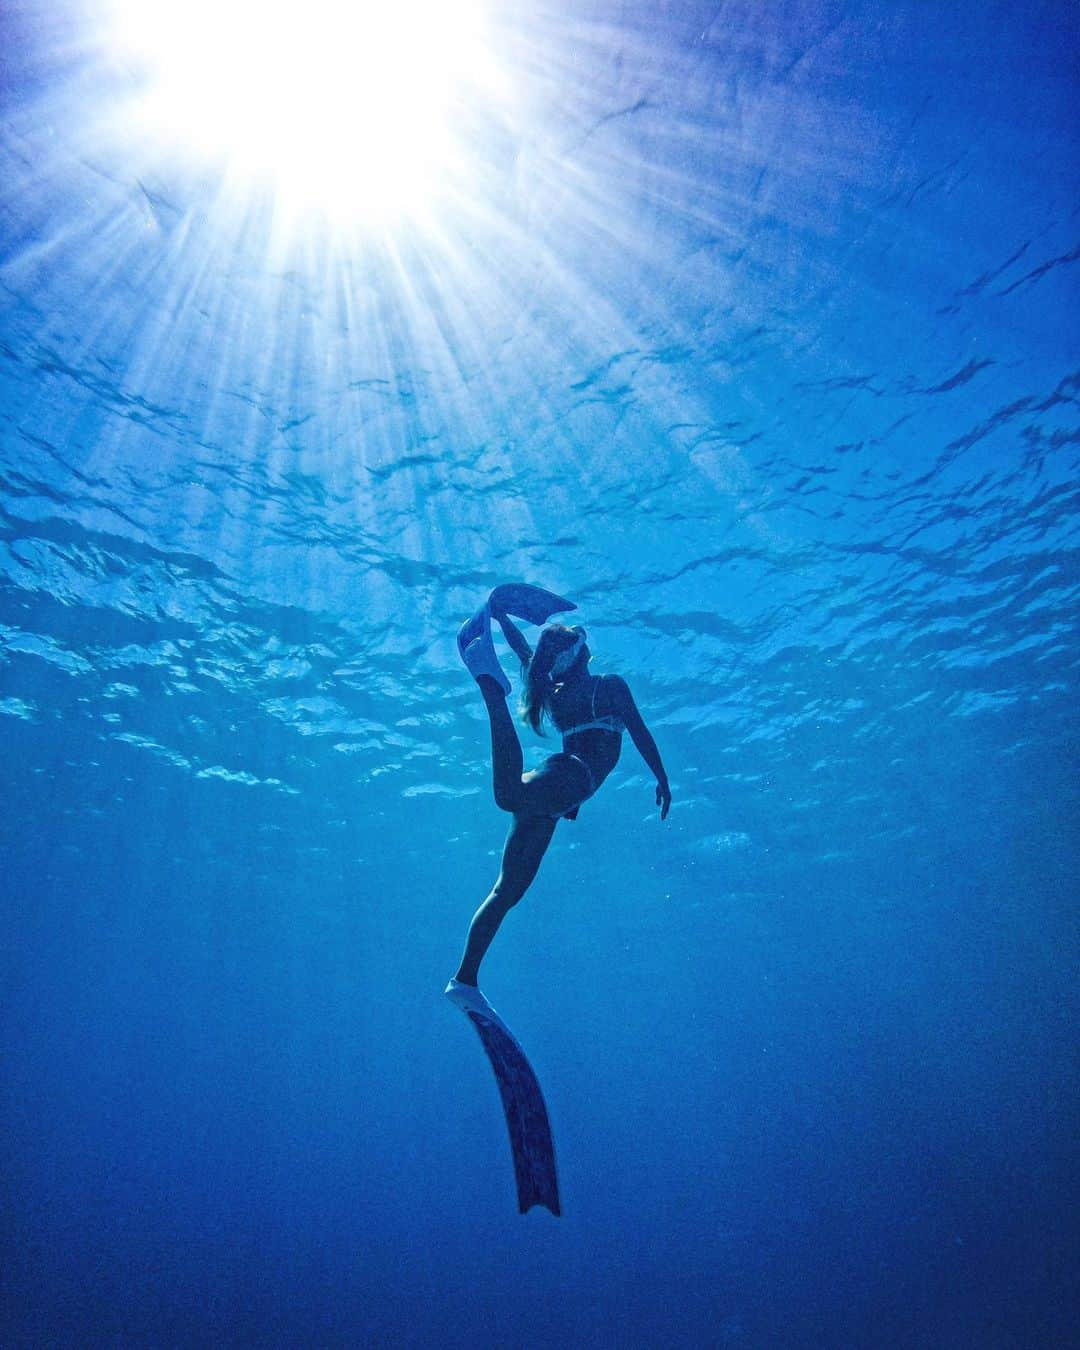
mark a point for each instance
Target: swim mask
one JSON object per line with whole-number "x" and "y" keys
{"x": 566, "y": 659}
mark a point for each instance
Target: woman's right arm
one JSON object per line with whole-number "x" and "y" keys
{"x": 619, "y": 693}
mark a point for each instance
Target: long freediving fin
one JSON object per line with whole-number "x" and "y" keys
{"x": 523, "y": 1103}
{"x": 531, "y": 603}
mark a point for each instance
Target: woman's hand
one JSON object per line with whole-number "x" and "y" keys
{"x": 663, "y": 797}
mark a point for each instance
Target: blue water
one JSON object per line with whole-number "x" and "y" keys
{"x": 759, "y": 339}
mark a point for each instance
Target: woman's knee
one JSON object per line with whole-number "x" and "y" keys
{"x": 505, "y": 896}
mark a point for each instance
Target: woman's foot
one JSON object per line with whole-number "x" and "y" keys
{"x": 467, "y": 997}
{"x": 477, "y": 650}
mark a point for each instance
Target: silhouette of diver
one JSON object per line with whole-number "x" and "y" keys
{"x": 590, "y": 711}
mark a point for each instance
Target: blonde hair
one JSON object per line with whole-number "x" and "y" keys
{"x": 539, "y": 685}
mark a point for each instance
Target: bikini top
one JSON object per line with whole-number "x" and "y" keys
{"x": 610, "y": 723}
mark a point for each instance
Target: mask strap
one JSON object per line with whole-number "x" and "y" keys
{"x": 566, "y": 659}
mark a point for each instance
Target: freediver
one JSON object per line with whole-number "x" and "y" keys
{"x": 589, "y": 711}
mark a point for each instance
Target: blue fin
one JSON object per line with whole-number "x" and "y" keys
{"x": 477, "y": 650}
{"x": 531, "y": 603}
{"x": 523, "y": 1103}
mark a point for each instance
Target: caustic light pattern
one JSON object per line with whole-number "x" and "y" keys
{"x": 752, "y": 329}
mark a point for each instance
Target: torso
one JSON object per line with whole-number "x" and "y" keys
{"x": 598, "y": 746}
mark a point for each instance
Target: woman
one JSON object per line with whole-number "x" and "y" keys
{"x": 590, "y": 711}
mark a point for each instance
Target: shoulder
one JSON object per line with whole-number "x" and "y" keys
{"x": 619, "y": 702}
{"x": 615, "y": 691}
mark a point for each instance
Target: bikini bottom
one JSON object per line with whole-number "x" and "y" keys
{"x": 572, "y": 813}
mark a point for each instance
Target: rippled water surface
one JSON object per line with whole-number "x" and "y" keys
{"x": 756, "y": 334}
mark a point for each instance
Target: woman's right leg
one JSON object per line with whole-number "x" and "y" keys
{"x": 525, "y": 845}
{"x": 536, "y": 803}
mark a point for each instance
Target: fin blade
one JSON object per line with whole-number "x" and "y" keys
{"x": 527, "y": 1123}
{"x": 532, "y": 603}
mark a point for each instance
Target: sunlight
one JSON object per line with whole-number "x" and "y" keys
{"x": 353, "y": 107}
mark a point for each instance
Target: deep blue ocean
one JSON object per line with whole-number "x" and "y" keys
{"x": 757, "y": 335}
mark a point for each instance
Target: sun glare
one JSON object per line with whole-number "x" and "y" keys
{"x": 353, "y": 107}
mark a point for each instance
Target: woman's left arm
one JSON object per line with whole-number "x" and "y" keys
{"x": 515, "y": 637}
{"x": 619, "y": 693}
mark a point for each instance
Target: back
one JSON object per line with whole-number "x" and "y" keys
{"x": 576, "y": 714}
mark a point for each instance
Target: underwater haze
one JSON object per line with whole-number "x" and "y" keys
{"x": 754, "y": 330}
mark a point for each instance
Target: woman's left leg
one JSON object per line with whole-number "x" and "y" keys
{"x": 507, "y": 761}
{"x": 536, "y": 801}
{"x": 525, "y": 845}
{"x": 561, "y": 783}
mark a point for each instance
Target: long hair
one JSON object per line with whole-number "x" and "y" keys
{"x": 539, "y": 686}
